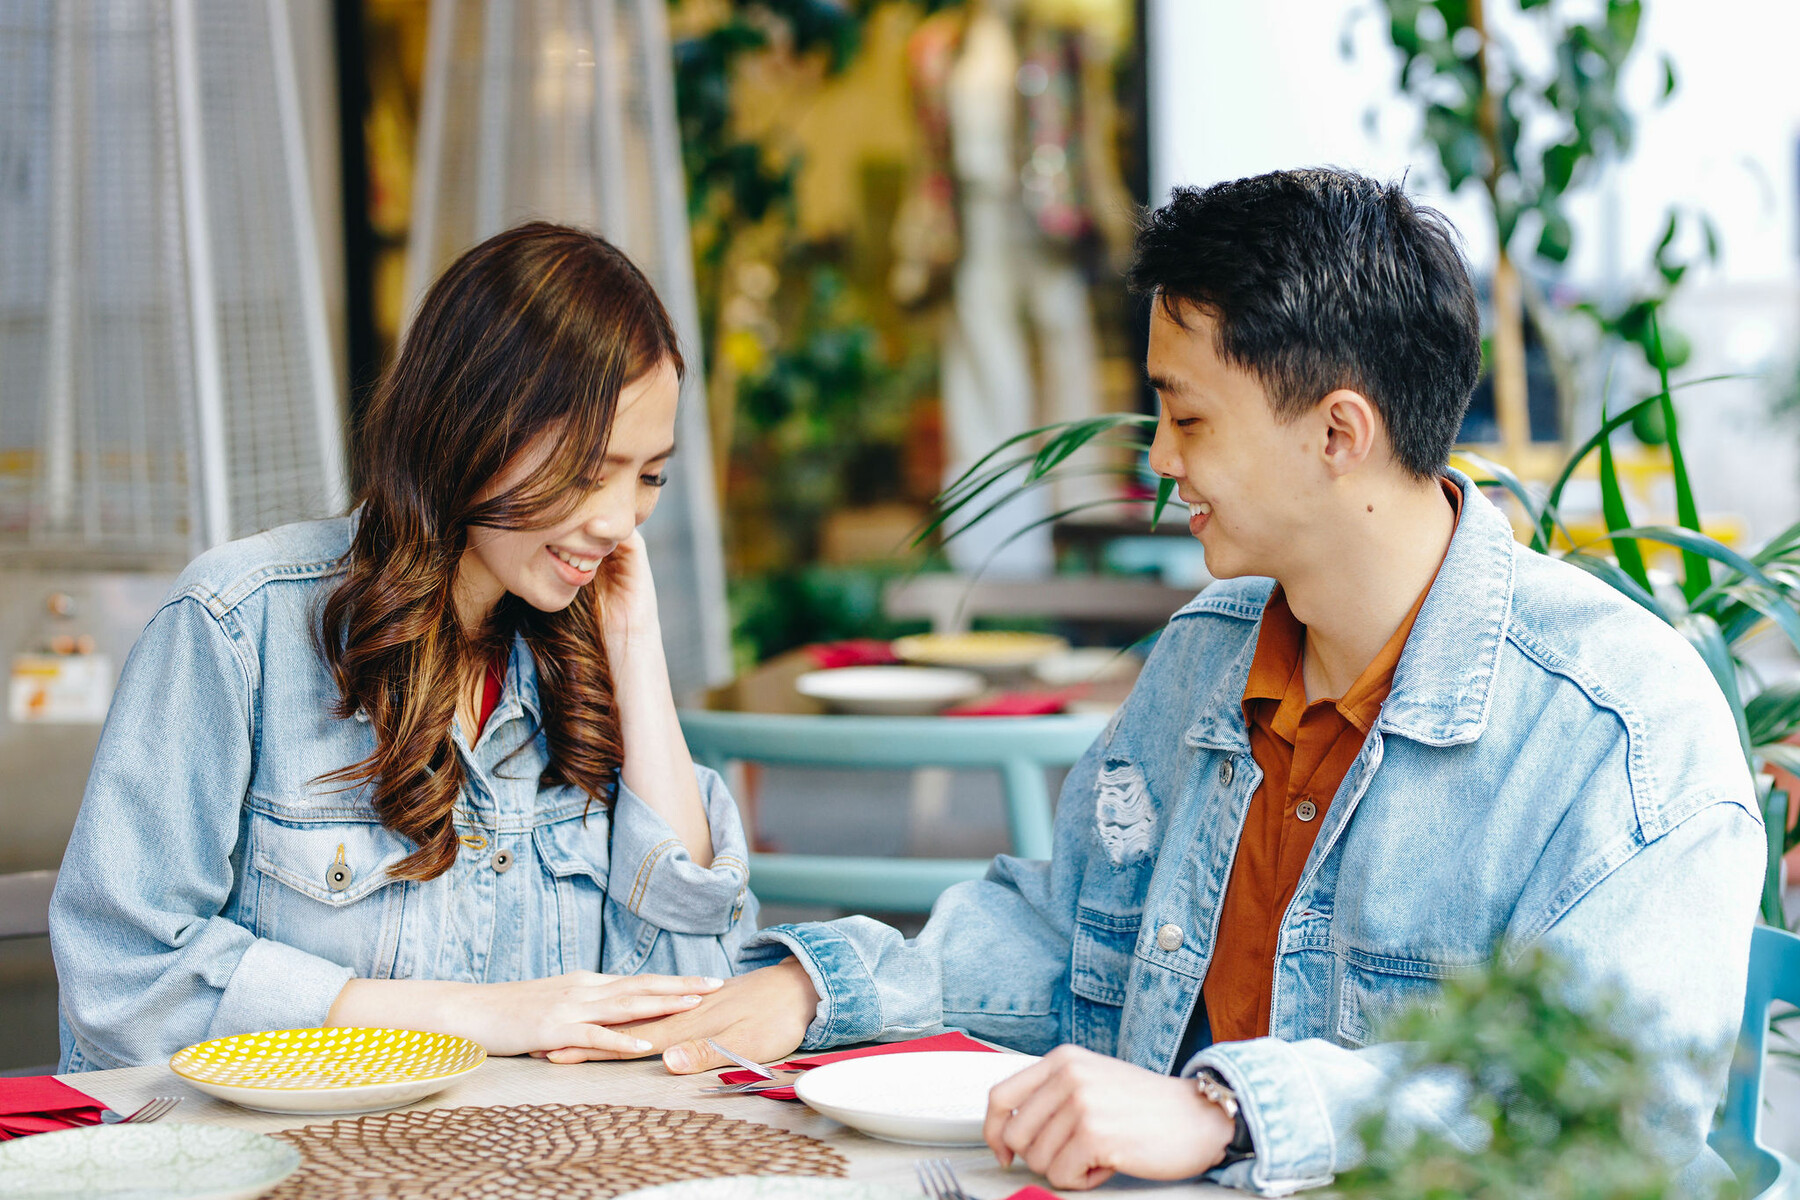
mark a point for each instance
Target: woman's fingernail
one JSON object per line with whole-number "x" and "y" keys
{"x": 676, "y": 1059}
{"x": 714, "y": 983}
{"x": 690, "y": 999}
{"x": 639, "y": 1044}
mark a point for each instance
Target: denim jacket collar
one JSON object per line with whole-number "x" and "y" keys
{"x": 1443, "y": 686}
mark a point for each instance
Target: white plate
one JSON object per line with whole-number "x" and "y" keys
{"x": 931, "y": 1098}
{"x": 1089, "y": 664}
{"x": 166, "y": 1159}
{"x": 773, "y": 1187}
{"x": 327, "y": 1072}
{"x": 889, "y": 691}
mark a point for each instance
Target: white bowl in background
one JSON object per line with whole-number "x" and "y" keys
{"x": 889, "y": 691}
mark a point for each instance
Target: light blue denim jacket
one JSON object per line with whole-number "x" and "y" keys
{"x": 1553, "y": 766}
{"x": 197, "y": 898}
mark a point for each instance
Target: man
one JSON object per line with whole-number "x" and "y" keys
{"x": 1389, "y": 741}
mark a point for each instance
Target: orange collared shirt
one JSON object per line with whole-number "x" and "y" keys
{"x": 1304, "y": 751}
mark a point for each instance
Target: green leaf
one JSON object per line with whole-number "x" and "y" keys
{"x": 1781, "y": 755}
{"x": 1697, "y": 574}
{"x": 1702, "y": 632}
{"x": 1612, "y": 505}
{"x": 1165, "y": 488}
{"x": 1553, "y": 498}
{"x": 1556, "y": 239}
{"x": 1775, "y": 811}
{"x": 1668, "y": 80}
{"x": 1774, "y": 714}
{"x": 1559, "y": 165}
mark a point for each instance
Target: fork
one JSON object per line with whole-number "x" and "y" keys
{"x": 754, "y": 1067}
{"x": 158, "y": 1108}
{"x": 938, "y": 1180}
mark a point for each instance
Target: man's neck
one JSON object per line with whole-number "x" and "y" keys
{"x": 1353, "y": 597}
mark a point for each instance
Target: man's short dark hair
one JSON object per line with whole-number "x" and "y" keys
{"x": 1323, "y": 279}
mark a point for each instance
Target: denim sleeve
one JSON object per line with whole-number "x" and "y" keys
{"x": 145, "y": 961}
{"x": 661, "y": 882}
{"x": 992, "y": 960}
{"x": 1669, "y": 927}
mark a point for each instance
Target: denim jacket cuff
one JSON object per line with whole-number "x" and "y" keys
{"x": 655, "y": 877}
{"x": 1290, "y": 1125}
{"x": 275, "y": 986}
{"x": 849, "y": 1006}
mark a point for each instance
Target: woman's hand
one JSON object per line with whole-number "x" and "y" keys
{"x": 625, "y": 595}
{"x": 566, "y": 1017}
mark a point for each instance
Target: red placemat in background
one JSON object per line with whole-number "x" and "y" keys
{"x": 857, "y": 652}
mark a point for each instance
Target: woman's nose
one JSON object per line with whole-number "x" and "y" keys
{"x": 611, "y": 515}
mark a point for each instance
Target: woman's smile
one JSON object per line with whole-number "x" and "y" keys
{"x": 577, "y": 570}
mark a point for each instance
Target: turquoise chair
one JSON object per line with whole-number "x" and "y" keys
{"x": 1774, "y": 975}
{"x": 1020, "y": 748}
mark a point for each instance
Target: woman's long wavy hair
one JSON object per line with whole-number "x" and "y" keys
{"x": 532, "y": 334}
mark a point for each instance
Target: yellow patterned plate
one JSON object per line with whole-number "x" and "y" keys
{"x": 330, "y": 1071}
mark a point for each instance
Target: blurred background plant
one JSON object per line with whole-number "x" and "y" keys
{"x": 1555, "y": 1096}
{"x": 817, "y": 385}
{"x": 1528, "y": 106}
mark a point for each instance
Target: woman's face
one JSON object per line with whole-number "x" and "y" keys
{"x": 546, "y": 566}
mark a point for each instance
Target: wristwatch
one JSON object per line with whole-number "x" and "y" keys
{"x": 1213, "y": 1087}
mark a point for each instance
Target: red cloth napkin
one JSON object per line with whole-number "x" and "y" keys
{"x": 857, "y": 652}
{"x": 1017, "y": 704}
{"x": 42, "y": 1104}
{"x": 942, "y": 1041}
{"x": 1033, "y": 1192}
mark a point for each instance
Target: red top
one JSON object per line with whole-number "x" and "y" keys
{"x": 490, "y": 692}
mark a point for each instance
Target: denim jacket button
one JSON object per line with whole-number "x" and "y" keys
{"x": 1168, "y": 938}
{"x": 1226, "y": 771}
{"x": 503, "y": 862}
{"x": 1306, "y": 810}
{"x": 338, "y": 875}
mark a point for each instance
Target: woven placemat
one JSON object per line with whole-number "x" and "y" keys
{"x": 575, "y": 1151}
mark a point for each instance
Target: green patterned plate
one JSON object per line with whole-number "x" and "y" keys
{"x": 166, "y": 1160}
{"x": 774, "y": 1187}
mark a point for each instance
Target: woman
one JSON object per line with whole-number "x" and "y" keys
{"x": 420, "y": 766}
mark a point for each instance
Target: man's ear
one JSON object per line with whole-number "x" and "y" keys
{"x": 1352, "y": 430}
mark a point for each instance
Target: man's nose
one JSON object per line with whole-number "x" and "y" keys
{"x": 1163, "y": 458}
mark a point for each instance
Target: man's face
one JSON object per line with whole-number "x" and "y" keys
{"x": 1249, "y": 479}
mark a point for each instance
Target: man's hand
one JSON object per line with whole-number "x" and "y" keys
{"x": 1077, "y": 1117}
{"x": 762, "y": 1015}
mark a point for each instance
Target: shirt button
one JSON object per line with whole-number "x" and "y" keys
{"x": 503, "y": 862}
{"x": 1168, "y": 938}
{"x": 1306, "y": 810}
{"x": 1226, "y": 771}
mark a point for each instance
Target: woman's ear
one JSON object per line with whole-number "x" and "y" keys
{"x": 1352, "y": 428}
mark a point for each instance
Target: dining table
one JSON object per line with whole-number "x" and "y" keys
{"x": 639, "y": 1083}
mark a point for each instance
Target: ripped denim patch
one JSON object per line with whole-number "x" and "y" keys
{"x": 1123, "y": 814}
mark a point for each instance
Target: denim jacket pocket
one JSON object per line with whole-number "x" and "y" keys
{"x": 1377, "y": 988}
{"x": 575, "y": 856}
{"x": 324, "y": 887}
{"x": 1099, "y": 969}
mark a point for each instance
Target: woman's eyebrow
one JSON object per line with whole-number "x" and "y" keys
{"x": 620, "y": 460}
